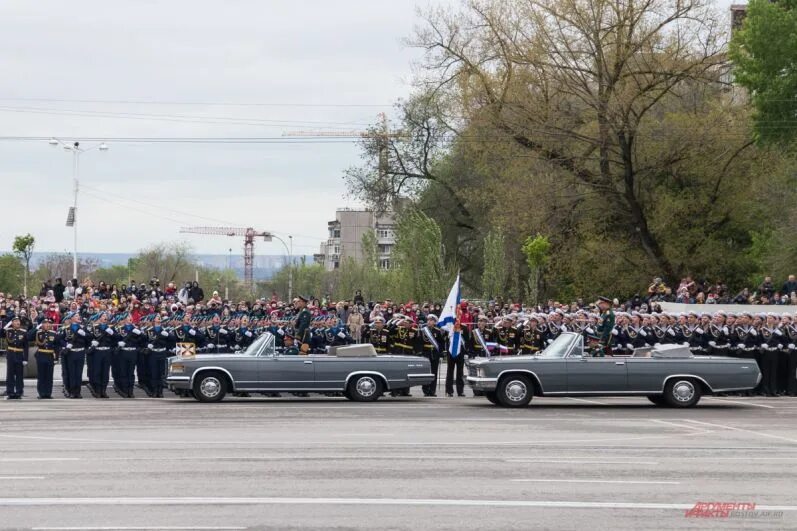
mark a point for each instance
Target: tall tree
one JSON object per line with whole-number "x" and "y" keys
{"x": 11, "y": 273}
{"x": 496, "y": 272}
{"x": 418, "y": 258}
{"x": 23, "y": 247}
{"x": 764, "y": 53}
{"x": 537, "y": 251}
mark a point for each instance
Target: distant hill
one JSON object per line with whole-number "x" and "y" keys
{"x": 265, "y": 265}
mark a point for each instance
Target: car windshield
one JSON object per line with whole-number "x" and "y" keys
{"x": 560, "y": 346}
{"x": 262, "y": 346}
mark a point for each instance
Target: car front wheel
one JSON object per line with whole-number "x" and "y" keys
{"x": 210, "y": 387}
{"x": 681, "y": 392}
{"x": 514, "y": 391}
{"x": 364, "y": 388}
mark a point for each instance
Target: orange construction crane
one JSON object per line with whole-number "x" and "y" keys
{"x": 249, "y": 235}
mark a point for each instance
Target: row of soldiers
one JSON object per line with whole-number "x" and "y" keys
{"x": 116, "y": 347}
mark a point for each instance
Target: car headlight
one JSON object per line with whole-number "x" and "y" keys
{"x": 176, "y": 368}
{"x": 480, "y": 372}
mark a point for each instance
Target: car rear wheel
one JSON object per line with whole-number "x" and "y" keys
{"x": 681, "y": 392}
{"x": 491, "y": 396}
{"x": 514, "y": 391}
{"x": 657, "y": 400}
{"x": 210, "y": 387}
{"x": 365, "y": 388}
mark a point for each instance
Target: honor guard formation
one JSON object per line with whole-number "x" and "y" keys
{"x": 122, "y": 337}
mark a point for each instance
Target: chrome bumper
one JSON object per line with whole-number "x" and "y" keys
{"x": 420, "y": 379}
{"x": 482, "y": 384}
{"x": 178, "y": 382}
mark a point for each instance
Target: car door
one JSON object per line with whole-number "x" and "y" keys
{"x": 586, "y": 374}
{"x": 245, "y": 370}
{"x": 287, "y": 372}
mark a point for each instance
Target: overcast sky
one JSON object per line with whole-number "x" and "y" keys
{"x": 342, "y": 62}
{"x": 307, "y": 64}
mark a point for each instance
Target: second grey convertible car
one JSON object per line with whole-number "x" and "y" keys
{"x": 669, "y": 375}
{"x": 355, "y": 371}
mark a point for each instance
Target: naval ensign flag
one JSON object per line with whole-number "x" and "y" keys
{"x": 449, "y": 320}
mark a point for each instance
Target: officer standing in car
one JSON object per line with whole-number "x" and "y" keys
{"x": 605, "y": 327}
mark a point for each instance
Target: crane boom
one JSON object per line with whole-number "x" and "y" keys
{"x": 249, "y": 235}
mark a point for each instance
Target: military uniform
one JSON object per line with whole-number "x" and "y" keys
{"x": 103, "y": 345}
{"x": 16, "y": 358}
{"x": 48, "y": 346}
{"x": 379, "y": 338}
{"x": 432, "y": 345}
{"x": 606, "y": 332}
{"x": 130, "y": 342}
{"x": 508, "y": 337}
{"x": 475, "y": 347}
{"x": 77, "y": 340}
{"x": 531, "y": 340}
{"x": 160, "y": 346}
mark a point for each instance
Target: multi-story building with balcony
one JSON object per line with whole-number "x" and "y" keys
{"x": 346, "y": 233}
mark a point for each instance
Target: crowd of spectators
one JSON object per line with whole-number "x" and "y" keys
{"x": 692, "y": 291}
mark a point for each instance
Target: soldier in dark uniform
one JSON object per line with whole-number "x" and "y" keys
{"x": 605, "y": 328}
{"x": 77, "y": 340}
{"x": 790, "y": 338}
{"x": 16, "y": 357}
{"x": 531, "y": 339}
{"x": 507, "y": 335}
{"x": 378, "y": 335}
{"x": 187, "y": 333}
{"x": 403, "y": 340}
{"x": 130, "y": 341}
{"x": 768, "y": 353}
{"x": 161, "y": 345}
{"x": 302, "y": 323}
{"x": 217, "y": 337}
{"x": 432, "y": 343}
{"x": 48, "y": 348}
{"x": 716, "y": 335}
{"x": 474, "y": 346}
{"x": 289, "y": 348}
{"x": 243, "y": 335}
{"x": 103, "y": 343}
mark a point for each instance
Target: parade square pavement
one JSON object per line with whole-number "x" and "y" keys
{"x": 406, "y": 463}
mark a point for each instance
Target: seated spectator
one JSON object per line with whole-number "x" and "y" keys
{"x": 767, "y": 288}
{"x": 790, "y": 286}
{"x": 743, "y": 297}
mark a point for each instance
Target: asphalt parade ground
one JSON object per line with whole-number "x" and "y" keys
{"x": 404, "y": 463}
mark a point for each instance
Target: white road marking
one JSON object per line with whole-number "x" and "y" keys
{"x": 693, "y": 430}
{"x": 611, "y": 481}
{"x": 733, "y": 428}
{"x": 20, "y": 477}
{"x": 587, "y": 401}
{"x": 716, "y": 399}
{"x": 581, "y": 461}
{"x": 556, "y": 504}
{"x": 114, "y": 528}
{"x": 329, "y": 443}
{"x": 36, "y": 459}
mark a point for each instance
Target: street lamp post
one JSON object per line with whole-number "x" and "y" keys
{"x": 290, "y": 262}
{"x": 72, "y": 218}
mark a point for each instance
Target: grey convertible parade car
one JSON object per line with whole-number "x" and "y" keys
{"x": 355, "y": 371}
{"x": 669, "y": 375}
